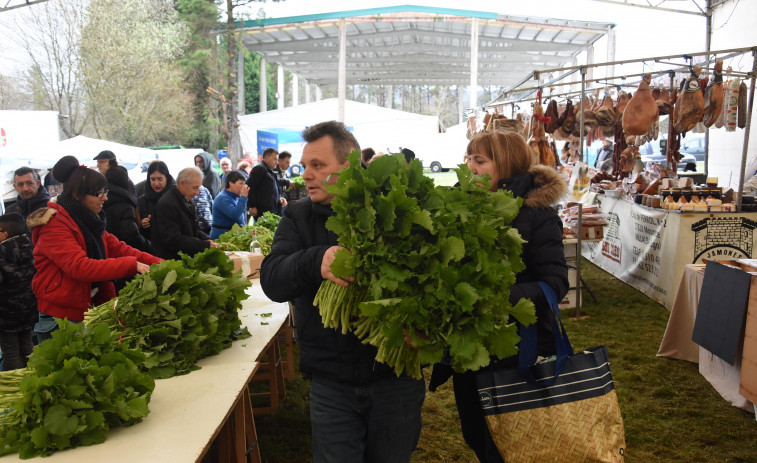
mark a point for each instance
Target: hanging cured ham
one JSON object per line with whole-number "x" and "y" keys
{"x": 553, "y": 122}
{"x": 713, "y": 96}
{"x": 663, "y": 102}
{"x": 689, "y": 106}
{"x": 543, "y": 153}
{"x": 641, "y": 112}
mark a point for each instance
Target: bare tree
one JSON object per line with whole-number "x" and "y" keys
{"x": 49, "y": 34}
{"x": 135, "y": 90}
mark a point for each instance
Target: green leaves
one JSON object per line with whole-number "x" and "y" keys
{"x": 194, "y": 315}
{"x": 79, "y": 384}
{"x": 436, "y": 263}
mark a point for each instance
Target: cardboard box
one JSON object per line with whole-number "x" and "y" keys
{"x": 248, "y": 262}
{"x": 591, "y": 232}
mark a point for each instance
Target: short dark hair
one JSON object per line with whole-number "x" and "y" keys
{"x": 409, "y": 154}
{"x": 77, "y": 180}
{"x": 368, "y": 154}
{"x": 21, "y": 171}
{"x": 284, "y": 155}
{"x": 13, "y": 223}
{"x": 233, "y": 177}
{"x": 269, "y": 151}
{"x": 118, "y": 176}
{"x": 344, "y": 141}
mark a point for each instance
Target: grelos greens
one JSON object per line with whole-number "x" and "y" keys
{"x": 435, "y": 265}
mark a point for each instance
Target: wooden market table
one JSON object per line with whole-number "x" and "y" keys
{"x": 677, "y": 343}
{"x": 189, "y": 412}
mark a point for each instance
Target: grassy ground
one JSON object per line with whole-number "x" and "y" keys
{"x": 670, "y": 412}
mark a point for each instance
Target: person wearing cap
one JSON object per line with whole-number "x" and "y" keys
{"x": 106, "y": 159}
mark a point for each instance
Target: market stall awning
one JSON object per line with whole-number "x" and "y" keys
{"x": 416, "y": 45}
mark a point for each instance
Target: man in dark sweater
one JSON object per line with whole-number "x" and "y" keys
{"x": 359, "y": 409}
{"x": 31, "y": 194}
{"x": 174, "y": 221}
{"x": 264, "y": 188}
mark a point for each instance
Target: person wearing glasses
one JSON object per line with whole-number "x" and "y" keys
{"x": 77, "y": 260}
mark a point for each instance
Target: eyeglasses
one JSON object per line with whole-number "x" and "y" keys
{"x": 99, "y": 195}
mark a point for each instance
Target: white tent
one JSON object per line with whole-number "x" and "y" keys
{"x": 85, "y": 149}
{"x": 374, "y": 126}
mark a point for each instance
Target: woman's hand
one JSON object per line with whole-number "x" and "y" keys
{"x": 328, "y": 259}
{"x": 142, "y": 268}
{"x": 146, "y": 222}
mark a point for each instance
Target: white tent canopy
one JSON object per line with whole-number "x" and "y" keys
{"x": 373, "y": 126}
{"x": 85, "y": 149}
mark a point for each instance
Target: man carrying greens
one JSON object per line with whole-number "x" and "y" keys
{"x": 359, "y": 409}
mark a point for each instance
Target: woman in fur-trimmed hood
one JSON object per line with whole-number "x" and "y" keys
{"x": 507, "y": 158}
{"x": 76, "y": 259}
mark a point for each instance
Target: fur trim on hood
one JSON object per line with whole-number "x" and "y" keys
{"x": 40, "y": 217}
{"x": 549, "y": 189}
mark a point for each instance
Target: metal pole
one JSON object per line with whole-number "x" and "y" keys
{"x": 280, "y": 87}
{"x": 707, "y": 44}
{"x": 578, "y": 259}
{"x": 474, "y": 63}
{"x": 263, "y": 93}
{"x": 342, "y": 73}
{"x": 581, "y": 120}
{"x": 746, "y": 130}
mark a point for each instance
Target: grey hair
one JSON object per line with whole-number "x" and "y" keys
{"x": 188, "y": 173}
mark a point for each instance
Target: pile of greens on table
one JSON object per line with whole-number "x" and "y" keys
{"x": 178, "y": 312}
{"x": 433, "y": 264}
{"x": 239, "y": 238}
{"x": 78, "y": 384}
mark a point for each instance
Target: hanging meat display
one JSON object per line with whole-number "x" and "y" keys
{"x": 543, "y": 153}
{"x": 641, "y": 113}
{"x": 664, "y": 106}
{"x": 689, "y": 106}
{"x": 713, "y": 96}
{"x": 553, "y": 116}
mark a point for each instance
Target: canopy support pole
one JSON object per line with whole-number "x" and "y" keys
{"x": 474, "y": 63}
{"x": 748, "y": 127}
{"x": 263, "y": 93}
{"x": 342, "y": 76}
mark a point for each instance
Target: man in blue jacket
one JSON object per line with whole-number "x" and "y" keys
{"x": 360, "y": 411}
{"x": 230, "y": 205}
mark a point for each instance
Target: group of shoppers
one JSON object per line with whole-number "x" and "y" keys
{"x": 359, "y": 409}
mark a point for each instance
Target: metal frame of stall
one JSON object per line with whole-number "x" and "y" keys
{"x": 567, "y": 71}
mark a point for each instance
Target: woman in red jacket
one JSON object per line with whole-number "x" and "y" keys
{"x": 76, "y": 259}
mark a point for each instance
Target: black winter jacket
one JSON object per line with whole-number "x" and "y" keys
{"x": 175, "y": 227}
{"x": 544, "y": 256}
{"x": 27, "y": 206}
{"x": 292, "y": 271}
{"x": 264, "y": 190}
{"x": 18, "y": 306}
{"x": 121, "y": 218}
{"x": 146, "y": 205}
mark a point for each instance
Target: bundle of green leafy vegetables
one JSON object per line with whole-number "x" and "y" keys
{"x": 299, "y": 182}
{"x": 178, "y": 312}
{"x": 433, "y": 264}
{"x": 77, "y": 385}
{"x": 239, "y": 238}
{"x": 268, "y": 220}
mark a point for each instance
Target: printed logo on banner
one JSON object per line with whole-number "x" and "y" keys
{"x": 723, "y": 238}
{"x": 612, "y": 246}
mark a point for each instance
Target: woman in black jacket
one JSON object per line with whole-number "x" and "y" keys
{"x": 159, "y": 180}
{"x": 506, "y": 157}
{"x": 120, "y": 210}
